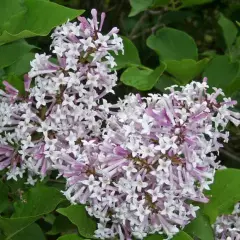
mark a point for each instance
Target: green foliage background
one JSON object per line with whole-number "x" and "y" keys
{"x": 166, "y": 42}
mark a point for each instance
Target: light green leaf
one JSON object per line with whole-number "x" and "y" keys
{"x": 221, "y": 72}
{"x": 139, "y": 6}
{"x": 29, "y": 233}
{"x": 78, "y": 216}
{"x": 200, "y": 228}
{"x": 70, "y": 237}
{"x": 37, "y": 202}
{"x": 3, "y": 196}
{"x": 172, "y": 44}
{"x": 142, "y": 80}
{"x": 130, "y": 56}
{"x": 182, "y": 236}
{"x": 186, "y": 69}
{"x": 224, "y": 194}
{"x": 229, "y": 30}
{"x": 39, "y": 19}
{"x": 12, "y": 52}
{"x": 22, "y": 65}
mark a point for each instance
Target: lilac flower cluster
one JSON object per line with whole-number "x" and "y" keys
{"x": 138, "y": 165}
{"x": 65, "y": 105}
{"x": 227, "y": 227}
{"x": 155, "y": 159}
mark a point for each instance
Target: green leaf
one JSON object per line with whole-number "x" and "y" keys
{"x": 16, "y": 82}
{"x": 8, "y": 9}
{"x": 12, "y": 52}
{"x": 234, "y": 86}
{"x": 164, "y": 82}
{"x": 61, "y": 225}
{"x": 172, "y": 44}
{"x": 34, "y": 204}
{"x": 70, "y": 237}
{"x": 130, "y": 56}
{"x": 200, "y": 227}
{"x": 35, "y": 201}
{"x": 139, "y": 6}
{"x": 142, "y": 80}
{"x": 160, "y": 3}
{"x": 39, "y": 19}
{"x": 224, "y": 194}
{"x": 229, "y": 30}
{"x": 3, "y": 196}
{"x": 221, "y": 72}
{"x": 186, "y": 69}
{"x": 182, "y": 236}
{"x": 31, "y": 232}
{"x": 22, "y": 65}
{"x": 154, "y": 237}
{"x": 78, "y": 216}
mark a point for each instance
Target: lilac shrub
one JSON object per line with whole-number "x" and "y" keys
{"x": 138, "y": 165}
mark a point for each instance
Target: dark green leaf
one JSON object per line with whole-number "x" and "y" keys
{"x": 164, "y": 82}
{"x": 188, "y": 3}
{"x": 22, "y": 65}
{"x": 154, "y": 237}
{"x": 32, "y": 232}
{"x": 70, "y": 237}
{"x": 37, "y": 202}
{"x": 142, "y": 79}
{"x": 182, "y": 236}
{"x": 221, "y": 72}
{"x": 3, "y": 196}
{"x": 61, "y": 225}
{"x": 224, "y": 194}
{"x": 229, "y": 30}
{"x": 172, "y": 44}
{"x": 16, "y": 82}
{"x": 12, "y": 52}
{"x": 200, "y": 227}
{"x": 186, "y": 69}
{"x": 78, "y": 216}
{"x": 160, "y": 3}
{"x": 39, "y": 19}
{"x": 8, "y": 9}
{"x": 130, "y": 56}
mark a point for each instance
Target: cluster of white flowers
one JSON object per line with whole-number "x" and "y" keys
{"x": 65, "y": 105}
{"x": 140, "y": 164}
{"x": 227, "y": 227}
{"x": 155, "y": 160}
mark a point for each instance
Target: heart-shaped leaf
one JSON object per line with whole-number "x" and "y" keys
{"x": 186, "y": 69}
{"x": 142, "y": 80}
{"x": 172, "y": 44}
